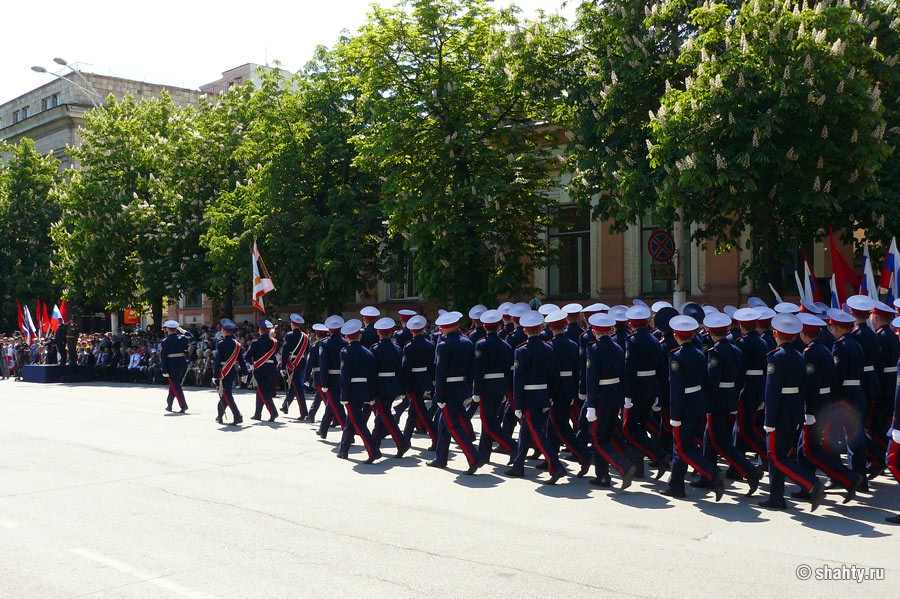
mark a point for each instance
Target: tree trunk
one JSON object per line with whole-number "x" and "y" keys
{"x": 228, "y": 301}
{"x": 156, "y": 310}
{"x": 766, "y": 266}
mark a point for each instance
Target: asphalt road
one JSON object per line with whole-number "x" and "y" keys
{"x": 103, "y": 494}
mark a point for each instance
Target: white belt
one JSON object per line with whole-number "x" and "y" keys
{"x": 535, "y": 387}
{"x": 852, "y": 383}
{"x": 790, "y": 390}
{"x": 385, "y": 375}
{"x": 890, "y": 369}
{"x": 646, "y": 373}
{"x": 419, "y": 369}
{"x": 754, "y": 373}
{"x": 175, "y": 355}
{"x": 824, "y": 390}
{"x": 608, "y": 381}
{"x": 565, "y": 373}
{"x": 494, "y": 375}
{"x": 334, "y": 371}
{"x": 726, "y": 385}
{"x": 455, "y": 379}
{"x": 692, "y": 389}
{"x": 361, "y": 379}
{"x": 869, "y": 369}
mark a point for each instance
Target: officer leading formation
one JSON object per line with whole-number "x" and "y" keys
{"x": 795, "y": 391}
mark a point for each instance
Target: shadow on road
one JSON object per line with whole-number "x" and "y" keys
{"x": 639, "y": 499}
{"x": 478, "y": 481}
{"x": 569, "y": 489}
{"x": 745, "y": 510}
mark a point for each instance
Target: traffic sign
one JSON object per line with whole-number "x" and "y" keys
{"x": 661, "y": 245}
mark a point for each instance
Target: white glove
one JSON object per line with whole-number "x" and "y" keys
{"x": 249, "y": 367}
{"x": 476, "y": 398}
{"x": 166, "y": 374}
{"x": 733, "y": 413}
{"x": 656, "y": 407}
{"x": 810, "y": 420}
{"x": 519, "y": 414}
{"x": 762, "y": 406}
{"x": 675, "y": 423}
{"x": 895, "y": 435}
{"x": 769, "y": 429}
{"x": 324, "y": 389}
{"x": 371, "y": 403}
{"x": 344, "y": 403}
{"x": 628, "y": 403}
{"x": 467, "y": 401}
{"x": 400, "y": 398}
{"x": 545, "y": 410}
{"x": 591, "y": 414}
{"x": 441, "y": 405}
{"x": 582, "y": 397}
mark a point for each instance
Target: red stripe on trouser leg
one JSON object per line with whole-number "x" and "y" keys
{"x": 551, "y": 467}
{"x": 301, "y": 399}
{"x": 634, "y": 441}
{"x": 574, "y": 413}
{"x": 421, "y": 418}
{"x": 773, "y": 459}
{"x": 178, "y": 395}
{"x": 384, "y": 412}
{"x": 559, "y": 434}
{"x": 485, "y": 428}
{"x": 811, "y": 456}
{"x": 893, "y": 461}
{"x": 456, "y": 437}
{"x": 229, "y": 400}
{"x": 358, "y": 430}
{"x": 690, "y": 462}
{"x": 748, "y": 439}
{"x": 262, "y": 398}
{"x": 711, "y": 433}
{"x": 609, "y": 459}
{"x": 334, "y": 410}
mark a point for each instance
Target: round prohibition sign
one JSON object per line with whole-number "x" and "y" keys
{"x": 661, "y": 246}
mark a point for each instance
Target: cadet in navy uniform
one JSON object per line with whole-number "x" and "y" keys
{"x": 687, "y": 406}
{"x": 818, "y": 400}
{"x": 893, "y": 454}
{"x": 535, "y": 370}
{"x": 886, "y": 369}
{"x": 725, "y": 367}
{"x": 849, "y": 362}
{"x": 764, "y": 323}
{"x": 417, "y": 370}
{"x": 454, "y": 366}
{"x": 262, "y": 353}
{"x": 564, "y": 393}
{"x": 492, "y": 384}
{"x": 621, "y": 334}
{"x": 330, "y": 375}
{"x": 747, "y": 427}
{"x": 227, "y": 360}
{"x": 293, "y": 362}
{"x": 605, "y": 367}
{"x": 404, "y": 336}
{"x": 369, "y": 314}
{"x": 478, "y": 332}
{"x": 359, "y": 376}
{"x": 387, "y": 386}
{"x": 517, "y": 336}
{"x": 173, "y": 363}
{"x": 861, "y": 307}
{"x": 573, "y": 316}
{"x": 784, "y": 415}
{"x": 642, "y": 358}
{"x": 311, "y": 373}
{"x": 667, "y": 343}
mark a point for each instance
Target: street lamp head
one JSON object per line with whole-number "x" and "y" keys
{"x": 60, "y": 61}
{"x": 39, "y": 69}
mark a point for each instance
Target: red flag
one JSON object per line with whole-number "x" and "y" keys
{"x": 45, "y": 319}
{"x": 21, "y": 315}
{"x": 63, "y": 312}
{"x": 37, "y": 315}
{"x": 843, "y": 272}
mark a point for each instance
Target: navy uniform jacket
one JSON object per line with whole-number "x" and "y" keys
{"x": 417, "y": 366}
{"x": 517, "y": 337}
{"x": 642, "y": 356}
{"x": 330, "y": 361}
{"x": 172, "y": 350}
{"x": 292, "y": 346}
{"x": 827, "y": 338}
{"x": 725, "y": 366}
{"x": 388, "y": 359}
{"x": 506, "y": 331}
{"x": 849, "y": 361}
{"x": 620, "y": 337}
{"x": 687, "y": 381}
{"x": 567, "y": 361}
{"x": 769, "y": 337}
{"x": 369, "y": 335}
{"x": 586, "y": 340}
{"x": 574, "y": 331}
{"x": 454, "y": 365}
{"x": 403, "y": 336}
{"x": 477, "y": 334}
{"x": 753, "y": 352}
{"x": 259, "y": 347}
{"x": 311, "y": 371}
{"x": 605, "y": 364}
{"x": 886, "y": 365}
{"x": 493, "y": 367}
{"x": 534, "y": 372}
{"x": 896, "y": 421}
{"x": 667, "y": 344}
{"x": 358, "y": 374}
{"x": 818, "y": 375}
{"x": 224, "y": 350}
{"x": 784, "y": 376}
{"x": 868, "y": 340}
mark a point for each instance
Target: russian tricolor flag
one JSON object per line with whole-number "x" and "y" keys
{"x": 56, "y": 318}
{"x": 867, "y": 286}
{"x": 890, "y": 273}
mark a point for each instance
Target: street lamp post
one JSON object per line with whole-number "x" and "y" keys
{"x": 87, "y": 88}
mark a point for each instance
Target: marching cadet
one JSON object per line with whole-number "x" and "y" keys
{"x": 605, "y": 367}
{"x": 387, "y": 385}
{"x": 517, "y": 336}
{"x": 492, "y": 384}
{"x": 359, "y": 375}
{"x": 747, "y": 430}
{"x": 508, "y": 325}
{"x": 173, "y": 363}
{"x": 225, "y": 371}
{"x": 666, "y": 343}
{"x": 330, "y": 375}
{"x": 688, "y": 377}
{"x": 861, "y": 307}
{"x": 642, "y": 358}
{"x": 849, "y": 363}
{"x": 586, "y": 340}
{"x": 818, "y": 400}
{"x": 534, "y": 372}
{"x": 417, "y": 373}
{"x": 311, "y": 373}
{"x": 573, "y": 317}
{"x": 564, "y": 393}
{"x": 893, "y": 455}
{"x": 621, "y": 334}
{"x": 293, "y": 362}
{"x": 544, "y": 310}
{"x": 454, "y": 364}
{"x": 369, "y": 315}
{"x": 477, "y": 333}
{"x": 886, "y": 369}
{"x": 404, "y": 336}
{"x": 262, "y": 352}
{"x": 654, "y": 310}
{"x": 764, "y": 323}
{"x": 785, "y": 414}
{"x": 724, "y": 364}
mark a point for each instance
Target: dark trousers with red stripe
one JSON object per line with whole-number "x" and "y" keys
{"x": 491, "y": 431}
{"x": 265, "y": 391}
{"x": 356, "y": 424}
{"x": 607, "y": 450}
{"x": 686, "y": 453}
{"x": 453, "y": 424}
{"x": 314, "y": 406}
{"x": 295, "y": 391}
{"x": 880, "y": 415}
{"x": 635, "y": 429}
{"x": 561, "y": 431}
{"x": 747, "y": 431}
{"x": 893, "y": 459}
{"x": 334, "y": 411}
{"x": 846, "y": 426}
{"x": 778, "y": 444}
{"x": 717, "y": 441}
{"x": 385, "y": 423}
{"x": 226, "y": 400}
{"x": 533, "y": 433}
{"x": 812, "y": 456}
{"x": 175, "y": 390}
{"x": 417, "y": 415}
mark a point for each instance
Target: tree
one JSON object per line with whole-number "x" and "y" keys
{"x": 450, "y": 128}
{"x": 28, "y": 208}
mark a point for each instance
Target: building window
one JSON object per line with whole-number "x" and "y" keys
{"x": 50, "y": 102}
{"x": 570, "y": 240}
{"x": 193, "y": 300}
{"x": 651, "y": 283}
{"x": 405, "y": 287}
{"x": 25, "y": 112}
{"x": 243, "y": 295}
{"x": 16, "y": 116}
